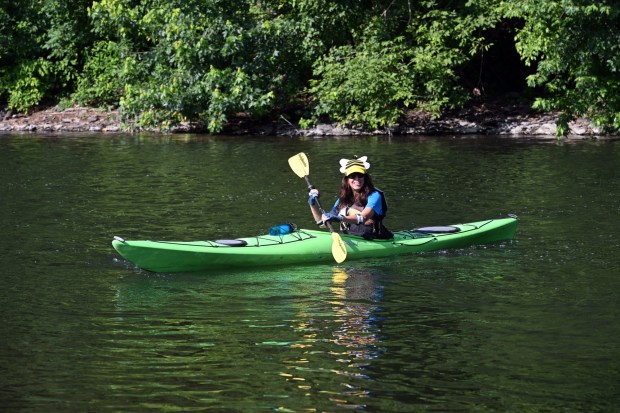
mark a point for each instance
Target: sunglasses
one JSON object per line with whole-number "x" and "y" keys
{"x": 356, "y": 175}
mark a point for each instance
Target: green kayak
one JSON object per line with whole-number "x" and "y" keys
{"x": 304, "y": 246}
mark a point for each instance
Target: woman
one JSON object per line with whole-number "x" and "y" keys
{"x": 360, "y": 208}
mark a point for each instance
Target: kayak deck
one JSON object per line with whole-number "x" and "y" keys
{"x": 302, "y": 246}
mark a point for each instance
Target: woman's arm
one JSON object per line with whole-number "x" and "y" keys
{"x": 314, "y": 207}
{"x": 361, "y": 218}
{"x": 316, "y": 214}
{"x": 372, "y": 208}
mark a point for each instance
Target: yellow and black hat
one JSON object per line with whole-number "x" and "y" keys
{"x": 351, "y": 166}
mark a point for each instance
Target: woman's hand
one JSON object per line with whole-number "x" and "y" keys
{"x": 313, "y": 195}
{"x": 331, "y": 217}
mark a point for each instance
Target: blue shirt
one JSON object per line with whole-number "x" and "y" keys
{"x": 374, "y": 202}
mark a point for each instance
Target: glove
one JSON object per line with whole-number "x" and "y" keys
{"x": 313, "y": 196}
{"x": 328, "y": 216}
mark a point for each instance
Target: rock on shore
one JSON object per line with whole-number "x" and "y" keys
{"x": 508, "y": 120}
{"x": 75, "y": 119}
{"x": 515, "y": 121}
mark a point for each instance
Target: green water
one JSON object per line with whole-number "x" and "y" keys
{"x": 524, "y": 326}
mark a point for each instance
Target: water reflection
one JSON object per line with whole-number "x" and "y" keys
{"x": 311, "y": 332}
{"x": 355, "y": 305}
{"x": 338, "y": 341}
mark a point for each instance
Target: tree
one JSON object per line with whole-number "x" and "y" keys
{"x": 22, "y": 68}
{"x": 41, "y": 49}
{"x": 194, "y": 60}
{"x": 576, "y": 46}
{"x": 357, "y": 62}
{"x": 392, "y": 67}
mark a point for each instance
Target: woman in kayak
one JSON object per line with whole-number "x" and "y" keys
{"x": 360, "y": 208}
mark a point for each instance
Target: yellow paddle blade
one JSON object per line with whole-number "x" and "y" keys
{"x": 299, "y": 164}
{"x": 339, "y": 249}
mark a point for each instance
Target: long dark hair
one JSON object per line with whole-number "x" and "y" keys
{"x": 347, "y": 196}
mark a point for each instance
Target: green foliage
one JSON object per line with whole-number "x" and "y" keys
{"x": 209, "y": 99}
{"x": 358, "y": 63}
{"x": 67, "y": 38}
{"x": 28, "y": 84}
{"x": 20, "y": 85}
{"x": 101, "y": 81}
{"x": 40, "y": 49}
{"x": 364, "y": 85}
{"x": 197, "y": 61}
{"x": 20, "y": 32}
{"x": 5, "y": 35}
{"x": 373, "y": 82}
{"x": 324, "y": 24}
{"x": 576, "y": 46}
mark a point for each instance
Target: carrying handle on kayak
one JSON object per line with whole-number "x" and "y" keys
{"x": 301, "y": 166}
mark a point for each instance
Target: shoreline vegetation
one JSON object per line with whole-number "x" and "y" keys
{"x": 478, "y": 118}
{"x": 307, "y": 67}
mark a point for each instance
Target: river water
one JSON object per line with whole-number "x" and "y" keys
{"x": 530, "y": 325}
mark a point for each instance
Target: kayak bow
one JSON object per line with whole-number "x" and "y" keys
{"x": 304, "y": 246}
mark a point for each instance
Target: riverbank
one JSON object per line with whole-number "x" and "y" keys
{"x": 482, "y": 118}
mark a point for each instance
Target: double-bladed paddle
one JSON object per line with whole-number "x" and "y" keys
{"x": 300, "y": 165}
